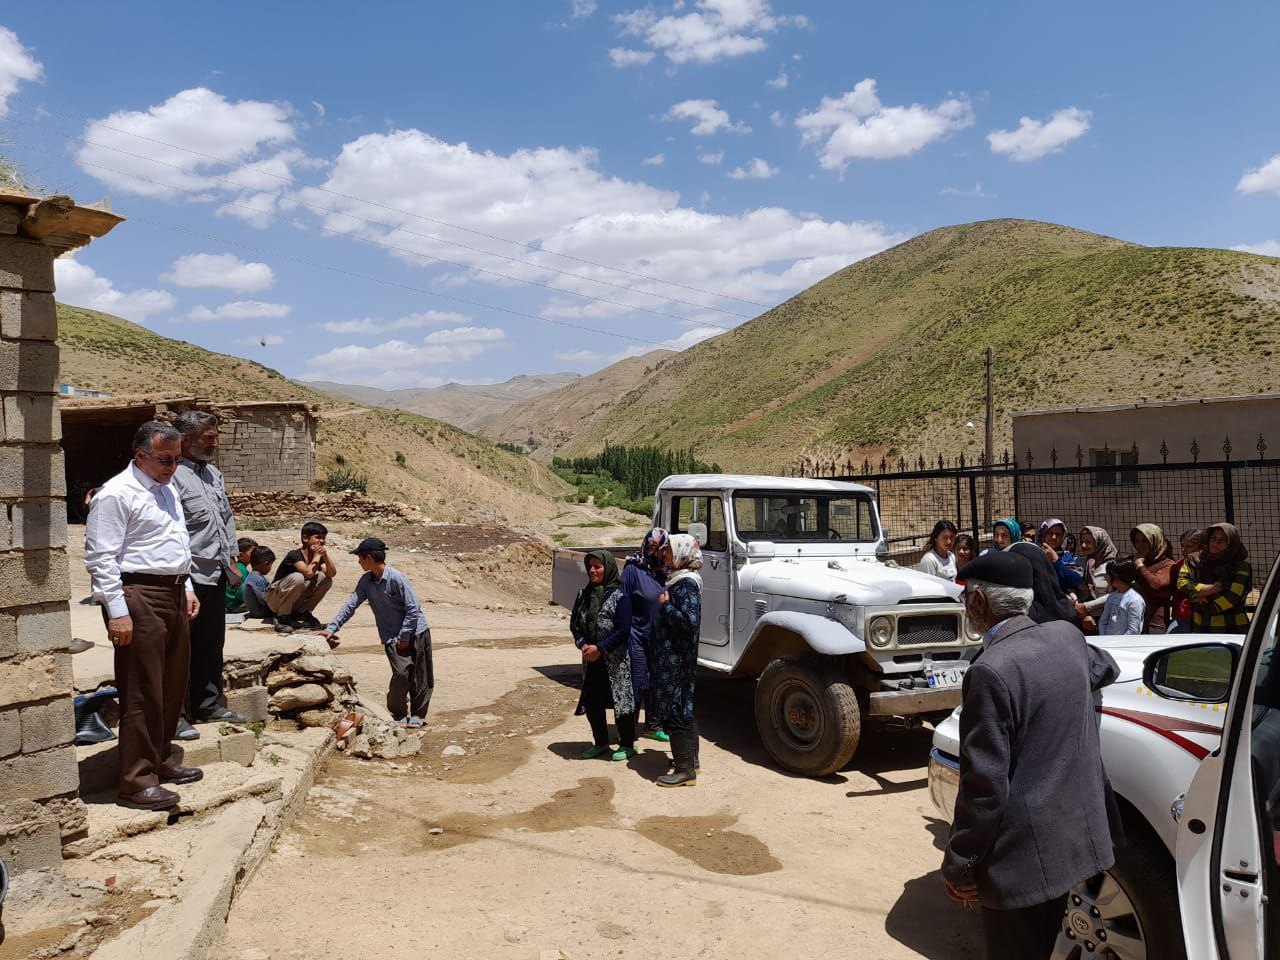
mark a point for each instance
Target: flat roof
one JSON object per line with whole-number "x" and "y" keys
{"x": 742, "y": 481}
{"x": 1147, "y": 404}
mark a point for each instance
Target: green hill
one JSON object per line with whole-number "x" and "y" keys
{"x": 887, "y": 354}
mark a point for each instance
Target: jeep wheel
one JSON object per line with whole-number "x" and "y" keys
{"x": 808, "y": 720}
{"x": 1129, "y": 912}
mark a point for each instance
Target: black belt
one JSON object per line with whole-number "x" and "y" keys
{"x": 155, "y": 579}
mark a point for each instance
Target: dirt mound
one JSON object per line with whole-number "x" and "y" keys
{"x": 290, "y": 508}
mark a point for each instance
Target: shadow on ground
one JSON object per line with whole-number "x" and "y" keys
{"x": 925, "y": 920}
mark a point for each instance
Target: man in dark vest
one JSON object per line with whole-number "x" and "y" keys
{"x": 1034, "y": 816}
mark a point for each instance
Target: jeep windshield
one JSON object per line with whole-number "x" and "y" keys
{"x": 805, "y": 518}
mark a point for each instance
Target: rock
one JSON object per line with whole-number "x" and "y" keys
{"x": 302, "y": 697}
{"x": 314, "y": 646}
{"x": 612, "y": 931}
{"x": 253, "y": 953}
{"x": 317, "y": 718}
{"x": 284, "y": 678}
{"x": 515, "y": 934}
{"x": 453, "y": 750}
{"x": 312, "y": 666}
{"x": 437, "y": 831}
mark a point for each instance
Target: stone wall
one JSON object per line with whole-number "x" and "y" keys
{"x": 39, "y": 808}
{"x": 267, "y": 447}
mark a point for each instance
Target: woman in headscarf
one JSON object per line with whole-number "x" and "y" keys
{"x": 1050, "y": 537}
{"x": 644, "y": 580}
{"x": 606, "y": 659}
{"x": 1156, "y": 570}
{"x": 1218, "y": 579}
{"x": 1097, "y": 550}
{"x": 1005, "y": 533}
{"x": 675, "y": 660}
{"x": 1048, "y": 601}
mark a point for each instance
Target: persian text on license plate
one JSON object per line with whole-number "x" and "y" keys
{"x": 940, "y": 677}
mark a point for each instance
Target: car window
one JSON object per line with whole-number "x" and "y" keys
{"x": 789, "y": 517}
{"x": 699, "y": 513}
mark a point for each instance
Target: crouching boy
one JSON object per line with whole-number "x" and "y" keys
{"x": 402, "y": 628}
{"x": 254, "y": 588}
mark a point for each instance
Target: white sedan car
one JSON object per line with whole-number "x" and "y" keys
{"x": 1152, "y": 747}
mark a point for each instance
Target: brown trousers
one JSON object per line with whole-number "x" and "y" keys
{"x": 295, "y": 594}
{"x": 151, "y": 675}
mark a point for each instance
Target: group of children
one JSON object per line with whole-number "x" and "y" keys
{"x": 288, "y": 600}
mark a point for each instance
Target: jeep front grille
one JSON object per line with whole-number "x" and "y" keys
{"x": 928, "y": 630}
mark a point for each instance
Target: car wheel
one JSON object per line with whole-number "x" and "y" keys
{"x": 1129, "y": 912}
{"x": 809, "y": 720}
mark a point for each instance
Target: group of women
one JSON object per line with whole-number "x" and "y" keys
{"x": 638, "y": 633}
{"x": 1083, "y": 578}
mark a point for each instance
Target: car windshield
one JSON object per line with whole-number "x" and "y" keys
{"x": 805, "y": 518}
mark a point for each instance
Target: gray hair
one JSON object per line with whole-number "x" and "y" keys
{"x": 191, "y": 423}
{"x": 1005, "y": 601}
{"x": 147, "y": 433}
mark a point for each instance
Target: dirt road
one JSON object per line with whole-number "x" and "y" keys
{"x": 520, "y": 849}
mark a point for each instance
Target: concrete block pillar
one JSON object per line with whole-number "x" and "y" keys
{"x": 39, "y": 804}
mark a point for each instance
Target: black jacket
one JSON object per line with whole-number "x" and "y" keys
{"x": 1034, "y": 815}
{"x": 1050, "y": 602}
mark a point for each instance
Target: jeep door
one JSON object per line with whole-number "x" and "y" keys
{"x": 702, "y": 513}
{"x": 1228, "y": 850}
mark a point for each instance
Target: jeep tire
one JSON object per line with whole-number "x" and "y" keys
{"x": 808, "y": 718}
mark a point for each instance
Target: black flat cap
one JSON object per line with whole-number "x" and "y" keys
{"x": 998, "y": 567}
{"x": 368, "y": 545}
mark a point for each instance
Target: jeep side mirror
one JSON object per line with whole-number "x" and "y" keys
{"x": 1199, "y": 673}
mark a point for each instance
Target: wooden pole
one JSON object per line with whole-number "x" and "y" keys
{"x": 990, "y": 439}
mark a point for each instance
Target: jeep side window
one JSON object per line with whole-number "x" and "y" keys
{"x": 708, "y": 511}
{"x": 809, "y": 517}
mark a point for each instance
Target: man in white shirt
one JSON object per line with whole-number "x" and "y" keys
{"x": 138, "y": 556}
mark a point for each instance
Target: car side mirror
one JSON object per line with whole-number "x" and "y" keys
{"x": 1199, "y": 672}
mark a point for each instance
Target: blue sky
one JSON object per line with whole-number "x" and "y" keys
{"x": 295, "y": 174}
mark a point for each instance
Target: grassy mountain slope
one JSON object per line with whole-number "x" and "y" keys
{"x": 888, "y": 353}
{"x": 450, "y": 473}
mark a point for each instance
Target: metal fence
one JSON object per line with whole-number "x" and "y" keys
{"x": 1175, "y": 496}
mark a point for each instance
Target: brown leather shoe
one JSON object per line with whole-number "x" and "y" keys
{"x": 176, "y": 773}
{"x": 152, "y": 798}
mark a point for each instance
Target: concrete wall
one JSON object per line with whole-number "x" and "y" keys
{"x": 267, "y": 448}
{"x": 38, "y": 776}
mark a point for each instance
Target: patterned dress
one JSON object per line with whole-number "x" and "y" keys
{"x": 616, "y": 662}
{"x": 675, "y": 660}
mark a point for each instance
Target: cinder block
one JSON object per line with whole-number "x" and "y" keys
{"x": 32, "y": 418}
{"x": 39, "y": 678}
{"x": 10, "y": 733}
{"x": 32, "y": 470}
{"x": 42, "y": 629}
{"x": 30, "y": 837}
{"x": 34, "y": 776}
{"x": 33, "y": 576}
{"x": 47, "y": 725}
{"x": 26, "y": 265}
{"x": 28, "y": 365}
{"x": 249, "y": 702}
{"x": 38, "y": 524}
{"x": 28, "y": 316}
{"x": 8, "y": 636}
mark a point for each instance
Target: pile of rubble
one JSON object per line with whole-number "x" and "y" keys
{"x": 297, "y": 507}
{"x": 313, "y": 690}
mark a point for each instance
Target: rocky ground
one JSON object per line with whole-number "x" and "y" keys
{"x": 496, "y": 840}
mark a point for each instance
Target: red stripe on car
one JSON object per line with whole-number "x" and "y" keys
{"x": 1168, "y": 727}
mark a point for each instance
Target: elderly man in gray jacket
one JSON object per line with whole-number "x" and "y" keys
{"x": 1034, "y": 815}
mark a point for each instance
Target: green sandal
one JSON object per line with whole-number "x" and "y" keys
{"x": 596, "y": 750}
{"x": 624, "y": 753}
{"x": 659, "y": 734}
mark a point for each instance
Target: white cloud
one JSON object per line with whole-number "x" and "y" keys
{"x": 707, "y": 117}
{"x": 392, "y": 355}
{"x": 1266, "y": 179}
{"x": 714, "y": 30}
{"x": 657, "y": 160}
{"x": 856, "y": 125}
{"x": 1268, "y": 248}
{"x": 579, "y": 356}
{"x": 240, "y": 310}
{"x": 319, "y": 108}
{"x": 467, "y": 335}
{"x": 777, "y": 119}
{"x": 413, "y": 321}
{"x": 268, "y": 340}
{"x": 692, "y": 336}
{"x": 17, "y": 66}
{"x": 222, "y": 270}
{"x": 757, "y": 169}
{"x": 711, "y": 159}
{"x": 974, "y": 191}
{"x": 1038, "y": 138}
{"x": 580, "y": 9}
{"x": 81, "y": 286}
{"x": 211, "y": 138}
{"x": 779, "y": 82}
{"x": 622, "y": 57}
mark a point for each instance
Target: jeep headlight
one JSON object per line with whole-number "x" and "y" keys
{"x": 880, "y": 631}
{"x": 971, "y": 632}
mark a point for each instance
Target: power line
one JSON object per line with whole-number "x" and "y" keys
{"x": 406, "y": 213}
{"x": 405, "y": 250}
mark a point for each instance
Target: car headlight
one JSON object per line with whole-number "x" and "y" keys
{"x": 880, "y": 631}
{"x": 971, "y": 632}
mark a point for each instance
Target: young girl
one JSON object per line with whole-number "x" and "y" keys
{"x": 1190, "y": 543}
{"x": 938, "y": 560}
{"x": 965, "y": 549}
{"x": 1218, "y": 583}
{"x": 1125, "y": 610}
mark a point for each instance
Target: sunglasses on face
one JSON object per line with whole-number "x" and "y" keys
{"x": 163, "y": 461}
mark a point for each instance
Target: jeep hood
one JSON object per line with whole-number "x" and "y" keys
{"x": 858, "y": 582}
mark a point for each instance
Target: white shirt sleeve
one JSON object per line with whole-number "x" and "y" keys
{"x": 103, "y": 539}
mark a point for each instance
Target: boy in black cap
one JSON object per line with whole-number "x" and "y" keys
{"x": 402, "y": 628}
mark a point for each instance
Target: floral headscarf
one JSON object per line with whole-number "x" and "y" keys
{"x": 1155, "y": 536}
{"x": 1104, "y": 548}
{"x": 650, "y": 555}
{"x": 688, "y": 558}
{"x": 1012, "y": 525}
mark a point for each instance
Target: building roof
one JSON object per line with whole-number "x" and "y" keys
{"x": 1147, "y": 404}
{"x": 55, "y": 221}
{"x": 737, "y": 481}
{"x": 141, "y": 401}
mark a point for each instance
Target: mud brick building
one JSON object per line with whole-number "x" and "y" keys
{"x": 39, "y": 804}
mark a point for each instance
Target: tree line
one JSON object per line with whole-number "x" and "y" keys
{"x": 639, "y": 469}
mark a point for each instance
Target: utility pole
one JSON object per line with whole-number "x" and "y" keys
{"x": 990, "y": 439}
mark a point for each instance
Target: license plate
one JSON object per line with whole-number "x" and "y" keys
{"x": 941, "y": 677}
